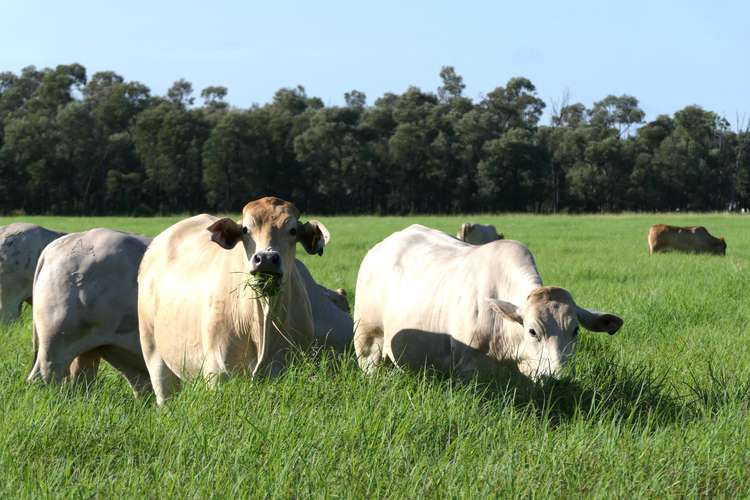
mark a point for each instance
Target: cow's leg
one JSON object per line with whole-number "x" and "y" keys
{"x": 214, "y": 379}
{"x": 85, "y": 366}
{"x": 50, "y": 365}
{"x": 67, "y": 351}
{"x": 368, "y": 345}
{"x": 131, "y": 366}
{"x": 163, "y": 380}
{"x": 10, "y": 306}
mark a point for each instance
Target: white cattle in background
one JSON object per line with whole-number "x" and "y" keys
{"x": 478, "y": 234}
{"x": 21, "y": 244}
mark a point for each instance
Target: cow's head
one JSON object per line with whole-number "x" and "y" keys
{"x": 550, "y": 322}
{"x": 721, "y": 246}
{"x": 270, "y": 229}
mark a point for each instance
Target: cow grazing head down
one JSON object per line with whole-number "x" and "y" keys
{"x": 716, "y": 246}
{"x": 550, "y": 322}
{"x": 269, "y": 230}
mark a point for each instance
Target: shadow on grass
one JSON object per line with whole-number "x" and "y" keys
{"x": 634, "y": 395}
{"x": 631, "y": 394}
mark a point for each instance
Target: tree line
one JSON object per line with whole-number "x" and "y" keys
{"x": 70, "y": 144}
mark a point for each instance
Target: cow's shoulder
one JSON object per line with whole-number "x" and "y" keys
{"x": 184, "y": 236}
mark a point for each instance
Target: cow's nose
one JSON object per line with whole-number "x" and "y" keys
{"x": 267, "y": 261}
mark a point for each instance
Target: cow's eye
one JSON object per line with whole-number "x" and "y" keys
{"x": 532, "y": 332}
{"x": 293, "y": 231}
{"x": 244, "y": 229}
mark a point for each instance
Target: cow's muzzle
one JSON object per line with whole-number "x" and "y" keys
{"x": 267, "y": 262}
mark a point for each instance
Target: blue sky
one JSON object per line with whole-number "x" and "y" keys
{"x": 666, "y": 53}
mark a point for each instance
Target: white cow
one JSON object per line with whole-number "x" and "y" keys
{"x": 85, "y": 307}
{"x": 478, "y": 234}
{"x": 196, "y": 315}
{"x": 425, "y": 297}
{"x": 330, "y": 310}
{"x": 20, "y": 246}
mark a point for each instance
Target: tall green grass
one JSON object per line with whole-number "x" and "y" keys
{"x": 660, "y": 409}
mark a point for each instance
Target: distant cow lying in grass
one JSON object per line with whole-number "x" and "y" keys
{"x": 696, "y": 239}
{"x": 478, "y": 234}
{"x": 424, "y": 297}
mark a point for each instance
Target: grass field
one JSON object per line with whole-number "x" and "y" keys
{"x": 660, "y": 409}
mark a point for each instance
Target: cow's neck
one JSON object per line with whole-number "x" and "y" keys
{"x": 273, "y": 329}
{"x": 258, "y": 309}
{"x": 516, "y": 285}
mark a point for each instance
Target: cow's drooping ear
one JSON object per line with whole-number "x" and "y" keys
{"x": 598, "y": 321}
{"x": 314, "y": 236}
{"x": 507, "y": 310}
{"x": 226, "y": 233}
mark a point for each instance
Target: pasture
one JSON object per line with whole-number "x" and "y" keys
{"x": 659, "y": 409}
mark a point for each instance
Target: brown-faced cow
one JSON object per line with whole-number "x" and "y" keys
{"x": 196, "y": 314}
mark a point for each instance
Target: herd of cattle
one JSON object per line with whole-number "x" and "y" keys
{"x": 178, "y": 306}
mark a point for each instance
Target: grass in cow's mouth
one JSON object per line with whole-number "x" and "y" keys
{"x": 263, "y": 285}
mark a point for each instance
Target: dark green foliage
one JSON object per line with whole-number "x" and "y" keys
{"x": 69, "y": 144}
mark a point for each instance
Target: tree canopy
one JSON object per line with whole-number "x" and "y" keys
{"x": 70, "y": 144}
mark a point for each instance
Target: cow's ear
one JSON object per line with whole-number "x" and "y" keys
{"x": 314, "y": 236}
{"x": 226, "y": 233}
{"x": 506, "y": 310}
{"x": 598, "y": 321}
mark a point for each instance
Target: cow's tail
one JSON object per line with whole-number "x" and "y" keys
{"x": 34, "y": 336}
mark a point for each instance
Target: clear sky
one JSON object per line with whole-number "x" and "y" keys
{"x": 666, "y": 53}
